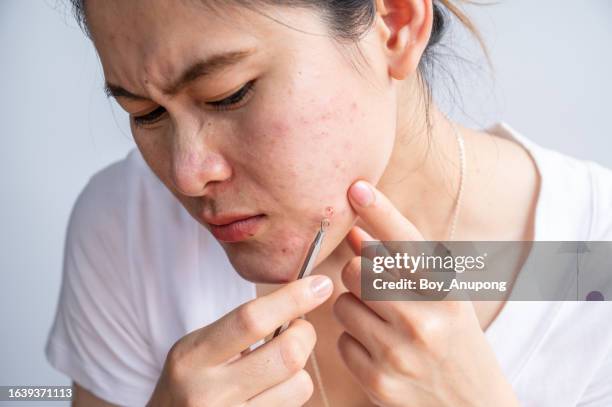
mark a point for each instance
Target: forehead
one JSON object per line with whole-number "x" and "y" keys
{"x": 156, "y": 38}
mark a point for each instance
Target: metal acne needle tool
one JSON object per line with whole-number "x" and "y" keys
{"x": 309, "y": 262}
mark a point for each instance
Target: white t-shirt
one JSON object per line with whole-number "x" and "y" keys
{"x": 140, "y": 273}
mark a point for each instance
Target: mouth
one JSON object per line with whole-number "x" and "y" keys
{"x": 235, "y": 228}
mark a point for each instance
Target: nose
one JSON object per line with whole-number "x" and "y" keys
{"x": 195, "y": 166}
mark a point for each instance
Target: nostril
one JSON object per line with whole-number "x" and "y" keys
{"x": 192, "y": 172}
{"x": 188, "y": 185}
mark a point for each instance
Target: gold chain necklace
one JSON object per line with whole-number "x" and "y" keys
{"x": 458, "y": 201}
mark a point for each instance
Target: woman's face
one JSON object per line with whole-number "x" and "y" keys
{"x": 279, "y": 127}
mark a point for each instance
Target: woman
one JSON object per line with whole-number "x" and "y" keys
{"x": 255, "y": 120}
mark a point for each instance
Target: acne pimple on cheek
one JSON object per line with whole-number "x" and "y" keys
{"x": 329, "y": 212}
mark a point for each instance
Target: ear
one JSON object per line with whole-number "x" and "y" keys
{"x": 406, "y": 27}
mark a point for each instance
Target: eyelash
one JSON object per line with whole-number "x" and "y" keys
{"x": 231, "y": 102}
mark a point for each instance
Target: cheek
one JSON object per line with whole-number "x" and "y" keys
{"x": 156, "y": 154}
{"x": 311, "y": 144}
{"x": 311, "y": 147}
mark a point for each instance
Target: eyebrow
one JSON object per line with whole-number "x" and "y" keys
{"x": 203, "y": 67}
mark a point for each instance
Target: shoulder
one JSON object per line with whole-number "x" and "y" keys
{"x": 109, "y": 191}
{"x": 574, "y": 204}
{"x": 104, "y": 225}
{"x": 582, "y": 189}
{"x": 128, "y": 229}
{"x": 576, "y": 196}
{"x": 118, "y": 201}
{"x": 601, "y": 201}
{"x": 98, "y": 335}
{"x": 114, "y": 228}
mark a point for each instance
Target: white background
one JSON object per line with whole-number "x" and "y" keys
{"x": 552, "y": 60}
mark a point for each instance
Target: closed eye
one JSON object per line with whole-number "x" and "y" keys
{"x": 150, "y": 118}
{"x": 233, "y": 101}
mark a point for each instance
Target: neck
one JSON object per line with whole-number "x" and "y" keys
{"x": 422, "y": 178}
{"x": 423, "y": 175}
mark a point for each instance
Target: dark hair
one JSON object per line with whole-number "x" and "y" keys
{"x": 348, "y": 20}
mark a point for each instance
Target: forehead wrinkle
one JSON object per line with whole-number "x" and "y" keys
{"x": 161, "y": 73}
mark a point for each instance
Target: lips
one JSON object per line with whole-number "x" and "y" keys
{"x": 235, "y": 228}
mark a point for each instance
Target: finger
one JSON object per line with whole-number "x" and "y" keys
{"x": 295, "y": 391}
{"x": 363, "y": 244}
{"x": 240, "y": 355}
{"x": 351, "y": 278}
{"x": 351, "y": 272}
{"x": 257, "y": 318}
{"x": 377, "y": 384}
{"x": 356, "y": 236}
{"x": 361, "y": 322}
{"x": 356, "y": 357}
{"x": 397, "y": 313}
{"x": 380, "y": 215}
{"x": 359, "y": 240}
{"x": 272, "y": 363}
{"x": 381, "y": 251}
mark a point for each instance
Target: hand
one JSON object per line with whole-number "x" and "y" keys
{"x": 412, "y": 353}
{"x": 210, "y": 367}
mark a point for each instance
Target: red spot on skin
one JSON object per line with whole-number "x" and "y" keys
{"x": 329, "y": 212}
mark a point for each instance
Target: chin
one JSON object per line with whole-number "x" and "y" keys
{"x": 266, "y": 271}
{"x": 277, "y": 255}
{"x": 272, "y": 262}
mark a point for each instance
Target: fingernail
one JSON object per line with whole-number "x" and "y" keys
{"x": 321, "y": 286}
{"x": 362, "y": 194}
